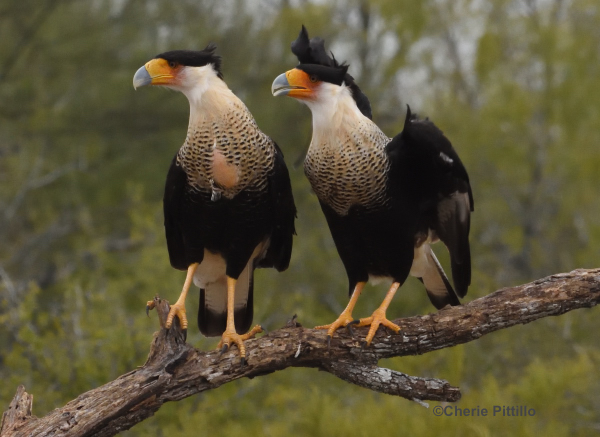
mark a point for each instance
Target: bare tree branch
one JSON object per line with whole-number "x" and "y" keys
{"x": 392, "y": 382}
{"x": 175, "y": 370}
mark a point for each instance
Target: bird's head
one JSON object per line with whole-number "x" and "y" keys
{"x": 318, "y": 76}
{"x": 310, "y": 82}
{"x": 183, "y": 70}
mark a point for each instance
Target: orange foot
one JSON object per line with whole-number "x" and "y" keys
{"x": 377, "y": 318}
{"x": 345, "y": 319}
{"x": 178, "y": 309}
{"x": 230, "y": 337}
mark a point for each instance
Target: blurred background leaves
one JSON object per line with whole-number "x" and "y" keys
{"x": 83, "y": 158}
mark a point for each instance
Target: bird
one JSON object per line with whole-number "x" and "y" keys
{"x": 228, "y": 203}
{"x": 386, "y": 200}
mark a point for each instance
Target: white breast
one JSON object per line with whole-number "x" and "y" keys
{"x": 211, "y": 269}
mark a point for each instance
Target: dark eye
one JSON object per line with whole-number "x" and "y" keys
{"x": 172, "y": 64}
{"x": 313, "y": 78}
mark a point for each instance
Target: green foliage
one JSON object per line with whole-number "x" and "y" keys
{"x": 83, "y": 159}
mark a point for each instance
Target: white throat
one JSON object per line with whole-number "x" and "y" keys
{"x": 333, "y": 110}
{"x": 346, "y": 162}
{"x": 207, "y": 93}
{"x": 336, "y": 118}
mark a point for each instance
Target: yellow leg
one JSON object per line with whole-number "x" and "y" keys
{"x": 346, "y": 316}
{"x": 178, "y": 308}
{"x": 378, "y": 317}
{"x": 230, "y": 335}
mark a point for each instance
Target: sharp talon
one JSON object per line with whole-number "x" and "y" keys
{"x": 263, "y": 329}
{"x": 362, "y": 346}
{"x": 184, "y": 332}
{"x": 148, "y": 310}
{"x": 328, "y": 342}
{"x": 350, "y": 330}
{"x": 354, "y": 322}
{"x": 224, "y": 349}
{"x": 243, "y": 360}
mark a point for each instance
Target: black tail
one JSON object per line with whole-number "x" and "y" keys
{"x": 438, "y": 287}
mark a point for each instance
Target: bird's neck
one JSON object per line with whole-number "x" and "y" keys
{"x": 224, "y": 151}
{"x": 209, "y": 100}
{"x": 347, "y": 150}
{"x": 338, "y": 123}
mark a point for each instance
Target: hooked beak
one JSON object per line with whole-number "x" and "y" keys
{"x": 141, "y": 78}
{"x": 155, "y": 72}
{"x": 293, "y": 83}
{"x": 281, "y": 86}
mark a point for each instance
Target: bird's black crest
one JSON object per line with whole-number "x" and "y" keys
{"x": 336, "y": 75}
{"x": 195, "y": 58}
{"x": 311, "y": 52}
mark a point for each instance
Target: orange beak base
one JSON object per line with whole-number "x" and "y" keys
{"x": 293, "y": 83}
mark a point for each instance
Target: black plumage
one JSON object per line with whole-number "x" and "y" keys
{"x": 385, "y": 200}
{"x": 380, "y": 241}
{"x": 312, "y": 52}
{"x": 232, "y": 228}
{"x": 194, "y": 58}
{"x": 426, "y": 170}
{"x": 228, "y": 203}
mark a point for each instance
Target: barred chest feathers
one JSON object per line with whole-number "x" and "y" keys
{"x": 348, "y": 167}
{"x": 225, "y": 152}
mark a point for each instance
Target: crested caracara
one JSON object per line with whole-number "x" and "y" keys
{"x": 228, "y": 202}
{"x": 386, "y": 200}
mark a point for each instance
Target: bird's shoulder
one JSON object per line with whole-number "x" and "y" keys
{"x": 423, "y": 153}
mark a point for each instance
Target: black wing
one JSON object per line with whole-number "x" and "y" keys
{"x": 427, "y": 173}
{"x": 284, "y": 213}
{"x": 173, "y": 210}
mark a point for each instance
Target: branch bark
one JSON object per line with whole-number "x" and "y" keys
{"x": 175, "y": 370}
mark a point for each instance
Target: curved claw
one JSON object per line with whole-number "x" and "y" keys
{"x": 224, "y": 349}
{"x": 328, "y": 342}
{"x": 150, "y": 306}
{"x": 350, "y": 330}
{"x": 377, "y": 319}
{"x": 230, "y": 338}
{"x": 243, "y": 361}
{"x": 177, "y": 310}
{"x": 184, "y": 332}
{"x": 343, "y": 320}
{"x": 349, "y": 327}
